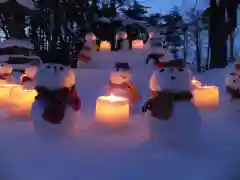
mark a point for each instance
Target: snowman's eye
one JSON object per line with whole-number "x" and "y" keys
{"x": 2, "y": 65}
{"x": 162, "y": 70}
{"x": 232, "y": 74}
{"x": 180, "y": 69}
{"x": 118, "y": 69}
{"x": 61, "y": 68}
{"x": 48, "y": 67}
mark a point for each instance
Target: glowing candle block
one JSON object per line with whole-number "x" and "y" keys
{"x": 137, "y": 44}
{"x": 5, "y": 90}
{"x": 21, "y": 100}
{"x": 112, "y": 110}
{"x": 105, "y": 46}
{"x": 206, "y": 97}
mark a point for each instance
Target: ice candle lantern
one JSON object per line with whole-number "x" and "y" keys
{"x": 112, "y": 110}
{"x": 5, "y": 90}
{"x": 22, "y": 99}
{"x": 206, "y": 97}
{"x": 105, "y": 46}
{"x": 137, "y": 44}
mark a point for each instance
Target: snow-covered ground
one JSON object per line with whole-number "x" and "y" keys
{"x": 94, "y": 153}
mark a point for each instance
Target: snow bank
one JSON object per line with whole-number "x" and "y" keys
{"x": 107, "y": 60}
{"x": 16, "y": 42}
{"x": 98, "y": 153}
{"x": 27, "y": 3}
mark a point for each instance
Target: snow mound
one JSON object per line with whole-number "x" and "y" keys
{"x": 27, "y": 3}
{"x": 16, "y": 42}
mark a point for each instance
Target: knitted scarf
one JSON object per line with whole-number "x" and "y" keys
{"x": 120, "y": 86}
{"x": 56, "y": 102}
{"x": 233, "y": 92}
{"x": 5, "y": 76}
{"x": 175, "y": 97}
{"x": 26, "y": 79}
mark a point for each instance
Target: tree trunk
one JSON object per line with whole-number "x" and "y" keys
{"x": 231, "y": 40}
{"x": 16, "y": 25}
{"x": 198, "y": 53}
{"x": 218, "y": 35}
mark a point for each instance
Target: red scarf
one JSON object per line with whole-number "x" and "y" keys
{"x": 26, "y": 79}
{"x": 4, "y": 76}
{"x": 57, "y": 100}
{"x": 120, "y": 86}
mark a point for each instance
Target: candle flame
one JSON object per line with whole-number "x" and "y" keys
{"x": 113, "y": 98}
{"x": 196, "y": 82}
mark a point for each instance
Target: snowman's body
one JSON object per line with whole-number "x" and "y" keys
{"x": 28, "y": 79}
{"x": 53, "y": 77}
{"x": 181, "y": 128}
{"x": 44, "y": 128}
{"x": 6, "y": 76}
{"x": 184, "y": 122}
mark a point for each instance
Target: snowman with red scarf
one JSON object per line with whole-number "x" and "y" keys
{"x": 57, "y": 103}
{"x": 174, "y": 118}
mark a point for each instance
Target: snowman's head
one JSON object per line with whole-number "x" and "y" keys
{"x": 90, "y": 37}
{"x": 172, "y": 76}
{"x": 122, "y": 74}
{"x": 5, "y": 69}
{"x": 31, "y": 71}
{"x": 55, "y": 76}
{"x": 233, "y": 80}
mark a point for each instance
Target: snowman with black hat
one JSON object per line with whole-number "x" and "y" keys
{"x": 120, "y": 83}
{"x": 57, "y": 103}
{"x": 175, "y": 119}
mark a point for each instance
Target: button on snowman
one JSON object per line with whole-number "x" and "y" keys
{"x": 173, "y": 117}
{"x": 27, "y": 80}
{"x": 120, "y": 83}
{"x": 6, "y": 76}
{"x": 57, "y": 103}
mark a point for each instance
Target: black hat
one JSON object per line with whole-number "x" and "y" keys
{"x": 58, "y": 57}
{"x": 155, "y": 57}
{"x": 122, "y": 66}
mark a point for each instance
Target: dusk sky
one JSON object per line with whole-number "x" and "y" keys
{"x": 163, "y": 6}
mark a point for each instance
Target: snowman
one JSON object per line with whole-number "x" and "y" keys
{"x": 174, "y": 118}
{"x": 233, "y": 82}
{"x": 57, "y": 103}
{"x": 91, "y": 41}
{"x": 6, "y": 76}
{"x": 27, "y": 80}
{"x": 122, "y": 41}
{"x": 120, "y": 83}
{"x": 87, "y": 50}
